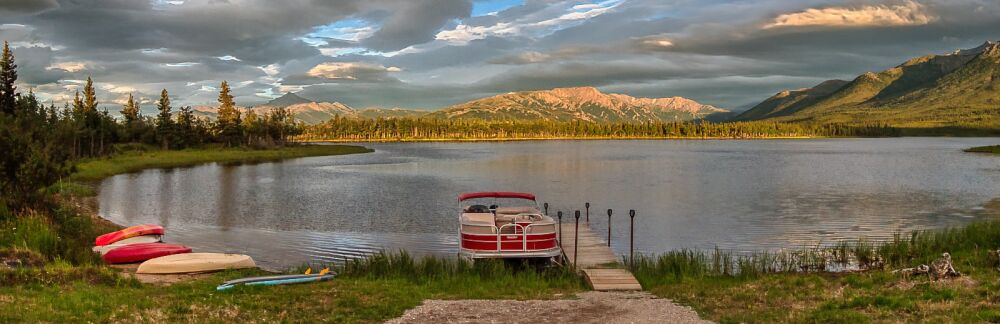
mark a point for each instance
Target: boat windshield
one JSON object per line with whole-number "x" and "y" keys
{"x": 486, "y": 205}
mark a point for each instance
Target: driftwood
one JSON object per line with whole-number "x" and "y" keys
{"x": 939, "y": 269}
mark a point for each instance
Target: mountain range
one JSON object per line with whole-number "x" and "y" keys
{"x": 957, "y": 89}
{"x": 561, "y": 104}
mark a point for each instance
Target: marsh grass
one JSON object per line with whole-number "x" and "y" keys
{"x": 995, "y": 149}
{"x": 847, "y": 282}
{"x": 919, "y": 247}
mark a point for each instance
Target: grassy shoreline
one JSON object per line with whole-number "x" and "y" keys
{"x": 137, "y": 160}
{"x": 66, "y": 282}
{"x": 994, "y": 149}
{"x": 531, "y": 139}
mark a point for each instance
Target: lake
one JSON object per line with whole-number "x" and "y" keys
{"x": 733, "y": 194}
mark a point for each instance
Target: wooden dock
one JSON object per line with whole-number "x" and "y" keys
{"x": 598, "y": 264}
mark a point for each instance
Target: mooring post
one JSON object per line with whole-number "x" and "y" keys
{"x": 609, "y": 227}
{"x": 587, "y": 205}
{"x": 576, "y": 238}
{"x": 560, "y": 229}
{"x": 631, "y": 237}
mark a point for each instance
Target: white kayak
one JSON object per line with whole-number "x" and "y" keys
{"x": 195, "y": 263}
{"x": 132, "y": 240}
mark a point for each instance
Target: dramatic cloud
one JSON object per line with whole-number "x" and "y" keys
{"x": 908, "y": 14}
{"x": 428, "y": 54}
{"x": 352, "y": 71}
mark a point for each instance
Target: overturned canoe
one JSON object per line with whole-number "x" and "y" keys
{"x": 275, "y": 280}
{"x": 129, "y": 241}
{"x": 133, "y": 253}
{"x": 195, "y": 263}
{"x": 129, "y": 232}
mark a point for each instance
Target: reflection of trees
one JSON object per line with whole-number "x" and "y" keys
{"x": 166, "y": 196}
{"x": 228, "y": 197}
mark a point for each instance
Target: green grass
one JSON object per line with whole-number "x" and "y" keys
{"x": 368, "y": 290}
{"x": 789, "y": 287}
{"x": 995, "y": 149}
{"x": 136, "y": 160}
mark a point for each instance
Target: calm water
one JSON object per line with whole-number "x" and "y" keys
{"x": 743, "y": 195}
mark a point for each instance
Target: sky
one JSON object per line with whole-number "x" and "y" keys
{"x": 432, "y": 53}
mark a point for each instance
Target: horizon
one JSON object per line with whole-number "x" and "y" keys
{"x": 426, "y": 56}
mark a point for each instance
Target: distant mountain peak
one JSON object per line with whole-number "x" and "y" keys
{"x": 577, "y": 103}
{"x": 286, "y": 100}
{"x": 987, "y": 46}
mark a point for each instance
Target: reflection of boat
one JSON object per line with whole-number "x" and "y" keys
{"x": 505, "y": 225}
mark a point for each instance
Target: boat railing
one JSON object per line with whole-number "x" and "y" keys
{"x": 524, "y": 230}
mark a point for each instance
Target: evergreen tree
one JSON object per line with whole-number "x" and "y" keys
{"x": 164, "y": 121}
{"x": 89, "y": 97}
{"x": 131, "y": 110}
{"x": 8, "y": 76}
{"x": 186, "y": 133}
{"x": 228, "y": 123}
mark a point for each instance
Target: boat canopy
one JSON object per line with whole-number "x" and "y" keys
{"x": 496, "y": 194}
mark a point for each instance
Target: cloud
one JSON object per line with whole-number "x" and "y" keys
{"x": 350, "y": 71}
{"x": 24, "y": 7}
{"x": 910, "y": 13}
{"x": 415, "y": 22}
{"x": 68, "y": 66}
{"x": 523, "y": 58}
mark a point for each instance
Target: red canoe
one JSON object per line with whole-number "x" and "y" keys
{"x": 130, "y": 232}
{"x": 143, "y": 251}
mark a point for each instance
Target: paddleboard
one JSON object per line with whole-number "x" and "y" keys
{"x": 275, "y": 280}
{"x": 195, "y": 262}
{"x": 134, "y": 240}
{"x": 133, "y": 253}
{"x": 129, "y": 232}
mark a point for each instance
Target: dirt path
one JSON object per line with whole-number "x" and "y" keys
{"x": 588, "y": 307}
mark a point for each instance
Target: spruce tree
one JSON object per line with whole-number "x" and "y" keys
{"x": 164, "y": 121}
{"x": 131, "y": 110}
{"x": 8, "y": 76}
{"x": 229, "y": 117}
{"x": 89, "y": 97}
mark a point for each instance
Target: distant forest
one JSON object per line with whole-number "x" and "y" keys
{"x": 428, "y": 129}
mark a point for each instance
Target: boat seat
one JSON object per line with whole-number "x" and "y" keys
{"x": 477, "y": 218}
{"x": 517, "y": 210}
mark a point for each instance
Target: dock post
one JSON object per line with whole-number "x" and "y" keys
{"x": 546, "y": 206}
{"x": 587, "y": 205}
{"x": 560, "y": 229}
{"x": 609, "y": 227}
{"x": 631, "y": 237}
{"x": 576, "y": 238}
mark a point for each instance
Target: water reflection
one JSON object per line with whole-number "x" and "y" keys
{"x": 700, "y": 194}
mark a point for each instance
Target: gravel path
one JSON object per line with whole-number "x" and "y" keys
{"x": 588, "y": 307}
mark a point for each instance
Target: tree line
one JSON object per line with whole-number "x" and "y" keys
{"x": 341, "y": 128}
{"x": 40, "y": 144}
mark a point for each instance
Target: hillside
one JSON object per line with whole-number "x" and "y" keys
{"x": 583, "y": 103}
{"x": 958, "y": 89}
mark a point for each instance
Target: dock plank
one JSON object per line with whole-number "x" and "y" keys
{"x": 598, "y": 264}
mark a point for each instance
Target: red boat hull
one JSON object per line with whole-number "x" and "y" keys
{"x": 130, "y": 232}
{"x": 141, "y": 252}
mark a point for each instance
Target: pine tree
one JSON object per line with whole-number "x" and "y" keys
{"x": 89, "y": 97}
{"x": 131, "y": 110}
{"x": 164, "y": 121}
{"x": 8, "y": 76}
{"x": 227, "y": 107}
{"x": 229, "y": 117}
